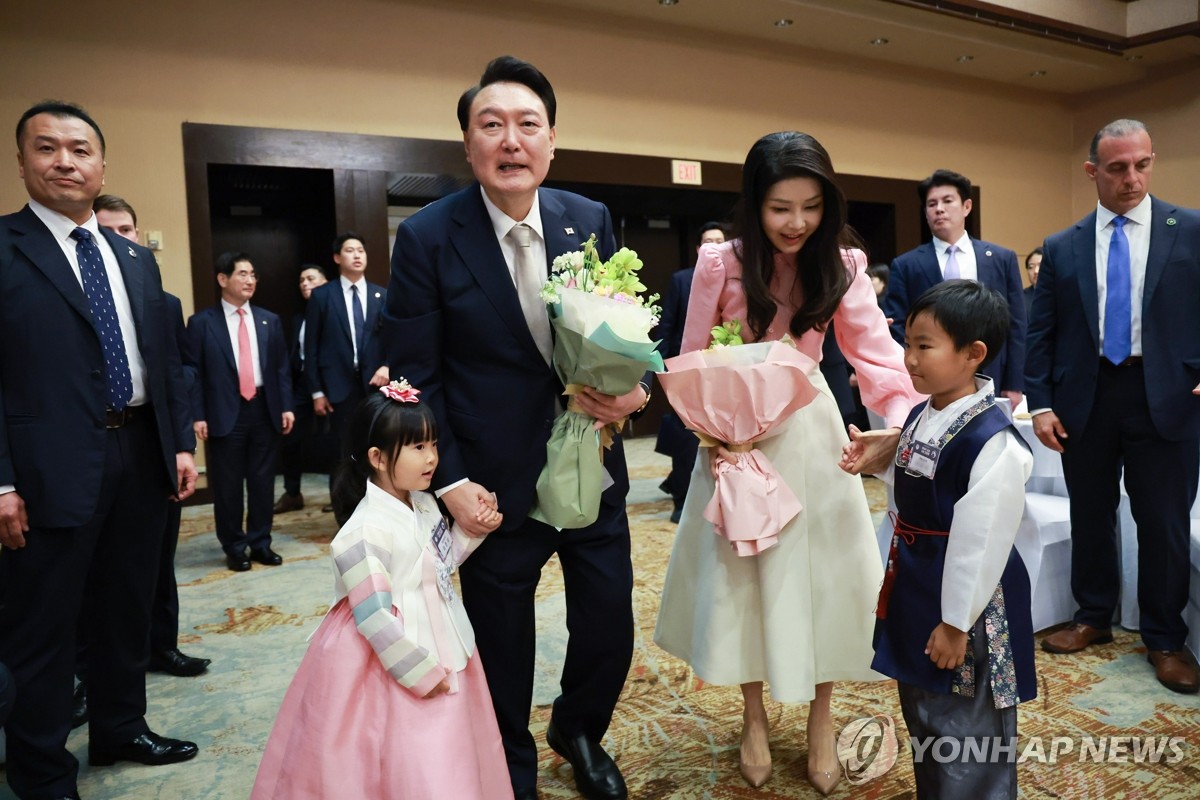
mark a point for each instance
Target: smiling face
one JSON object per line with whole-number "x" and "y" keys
{"x": 946, "y": 212}
{"x": 351, "y": 259}
{"x": 1122, "y": 170}
{"x": 509, "y": 144}
{"x": 61, "y": 164}
{"x": 937, "y": 367}
{"x": 791, "y": 212}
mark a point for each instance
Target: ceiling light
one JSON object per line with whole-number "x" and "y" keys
{"x": 668, "y": 2}
{"x": 965, "y": 59}
{"x": 783, "y": 23}
{"x": 1134, "y": 57}
{"x": 1038, "y": 73}
{"x": 878, "y": 41}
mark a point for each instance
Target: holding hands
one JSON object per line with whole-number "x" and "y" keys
{"x": 869, "y": 451}
{"x": 474, "y": 508}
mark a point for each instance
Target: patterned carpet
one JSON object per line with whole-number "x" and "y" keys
{"x": 673, "y": 736}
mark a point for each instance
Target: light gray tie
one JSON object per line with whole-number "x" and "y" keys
{"x": 952, "y": 272}
{"x": 529, "y": 279}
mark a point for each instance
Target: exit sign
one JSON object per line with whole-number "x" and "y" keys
{"x": 685, "y": 172}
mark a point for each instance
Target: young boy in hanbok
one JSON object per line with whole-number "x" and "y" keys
{"x": 390, "y": 701}
{"x": 953, "y": 624}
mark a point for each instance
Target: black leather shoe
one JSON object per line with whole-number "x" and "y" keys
{"x": 176, "y": 663}
{"x": 237, "y": 563}
{"x": 79, "y": 707}
{"x": 596, "y": 776}
{"x": 149, "y": 748}
{"x": 288, "y": 502}
{"x": 525, "y": 794}
{"x": 265, "y": 555}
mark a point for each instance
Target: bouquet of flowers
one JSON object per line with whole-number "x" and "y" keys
{"x": 602, "y": 339}
{"x": 737, "y": 395}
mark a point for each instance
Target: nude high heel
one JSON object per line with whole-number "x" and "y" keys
{"x": 754, "y": 774}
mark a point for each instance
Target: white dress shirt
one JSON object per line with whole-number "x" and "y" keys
{"x": 1137, "y": 231}
{"x": 61, "y": 228}
{"x": 967, "y": 268}
{"x": 233, "y": 320}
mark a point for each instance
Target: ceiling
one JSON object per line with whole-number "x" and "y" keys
{"x": 1080, "y": 51}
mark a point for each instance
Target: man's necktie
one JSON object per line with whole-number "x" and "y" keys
{"x": 359, "y": 321}
{"x": 952, "y": 272}
{"x": 245, "y": 359}
{"x": 529, "y": 279}
{"x": 1118, "y": 313}
{"x": 104, "y": 319}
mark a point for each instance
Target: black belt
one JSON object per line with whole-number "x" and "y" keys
{"x": 1129, "y": 362}
{"x": 119, "y": 419}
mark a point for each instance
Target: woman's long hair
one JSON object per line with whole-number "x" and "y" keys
{"x": 821, "y": 275}
{"x": 377, "y": 422}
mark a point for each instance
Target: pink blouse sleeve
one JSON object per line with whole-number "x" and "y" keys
{"x": 863, "y": 336}
{"x": 704, "y": 303}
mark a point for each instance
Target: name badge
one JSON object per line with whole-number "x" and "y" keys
{"x": 923, "y": 460}
{"x": 442, "y": 541}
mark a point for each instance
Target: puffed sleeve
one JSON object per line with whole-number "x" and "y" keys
{"x": 862, "y": 333}
{"x": 704, "y": 303}
{"x": 364, "y": 564}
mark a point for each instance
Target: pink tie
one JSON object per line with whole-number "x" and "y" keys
{"x": 245, "y": 359}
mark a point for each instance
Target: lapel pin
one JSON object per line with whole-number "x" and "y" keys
{"x": 377, "y": 295}
{"x": 1170, "y": 220}
{"x": 987, "y": 252}
{"x": 264, "y": 322}
{"x": 569, "y": 231}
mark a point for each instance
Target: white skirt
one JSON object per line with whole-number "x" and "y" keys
{"x": 800, "y": 613}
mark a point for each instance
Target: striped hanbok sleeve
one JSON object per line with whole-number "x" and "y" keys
{"x": 365, "y": 568}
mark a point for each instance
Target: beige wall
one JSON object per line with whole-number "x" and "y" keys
{"x": 386, "y": 67}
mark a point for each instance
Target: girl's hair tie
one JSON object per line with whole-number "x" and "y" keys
{"x": 400, "y": 391}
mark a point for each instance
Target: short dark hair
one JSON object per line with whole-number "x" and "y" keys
{"x": 712, "y": 225}
{"x": 945, "y": 177}
{"x": 228, "y": 260}
{"x": 509, "y": 69}
{"x": 341, "y": 240}
{"x": 306, "y": 267}
{"x": 60, "y": 109}
{"x": 110, "y": 202}
{"x": 968, "y": 312}
{"x": 881, "y": 271}
{"x": 1037, "y": 251}
{"x": 1116, "y": 129}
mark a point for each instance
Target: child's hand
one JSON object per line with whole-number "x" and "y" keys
{"x": 717, "y": 454}
{"x": 869, "y": 451}
{"x": 486, "y": 514}
{"x": 441, "y": 688}
{"x": 947, "y": 646}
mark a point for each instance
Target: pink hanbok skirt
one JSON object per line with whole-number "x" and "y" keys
{"x": 346, "y": 729}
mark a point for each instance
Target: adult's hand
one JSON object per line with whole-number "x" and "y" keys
{"x": 14, "y": 522}
{"x": 289, "y": 419}
{"x": 380, "y": 378}
{"x": 1049, "y": 430}
{"x": 322, "y": 406}
{"x": 186, "y": 475}
{"x": 607, "y": 408}
{"x": 464, "y": 502}
{"x": 200, "y": 428}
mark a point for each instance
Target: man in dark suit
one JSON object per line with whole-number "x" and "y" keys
{"x": 465, "y": 325}
{"x": 343, "y": 355}
{"x": 954, "y": 254}
{"x": 674, "y": 439}
{"x": 1033, "y": 263}
{"x": 1112, "y": 374}
{"x": 295, "y": 444}
{"x": 94, "y": 439}
{"x": 242, "y": 403}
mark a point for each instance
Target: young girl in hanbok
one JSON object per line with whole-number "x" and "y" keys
{"x": 390, "y": 701}
{"x": 798, "y": 615}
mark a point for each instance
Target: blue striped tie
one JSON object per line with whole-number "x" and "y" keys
{"x": 104, "y": 319}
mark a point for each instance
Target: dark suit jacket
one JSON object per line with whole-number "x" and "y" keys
{"x": 52, "y": 389}
{"x": 329, "y": 344}
{"x": 1064, "y": 330}
{"x": 179, "y": 342}
{"x": 455, "y": 330}
{"x": 674, "y": 313}
{"x": 216, "y": 398}
{"x": 914, "y": 272}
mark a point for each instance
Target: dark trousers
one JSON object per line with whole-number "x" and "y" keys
{"x": 309, "y": 447}
{"x": 113, "y": 561}
{"x": 164, "y": 614}
{"x": 339, "y": 424}
{"x": 498, "y": 584}
{"x": 241, "y": 466}
{"x": 1160, "y": 478}
{"x": 8, "y": 693}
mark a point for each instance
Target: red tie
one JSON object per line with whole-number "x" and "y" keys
{"x": 245, "y": 359}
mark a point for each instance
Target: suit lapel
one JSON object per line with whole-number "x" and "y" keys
{"x": 929, "y": 264}
{"x": 219, "y": 329}
{"x": 36, "y": 242}
{"x": 134, "y": 275}
{"x": 340, "y": 312}
{"x": 985, "y": 266}
{"x": 263, "y": 329}
{"x": 1083, "y": 245}
{"x": 1163, "y": 232}
{"x": 476, "y": 245}
{"x": 556, "y": 222}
